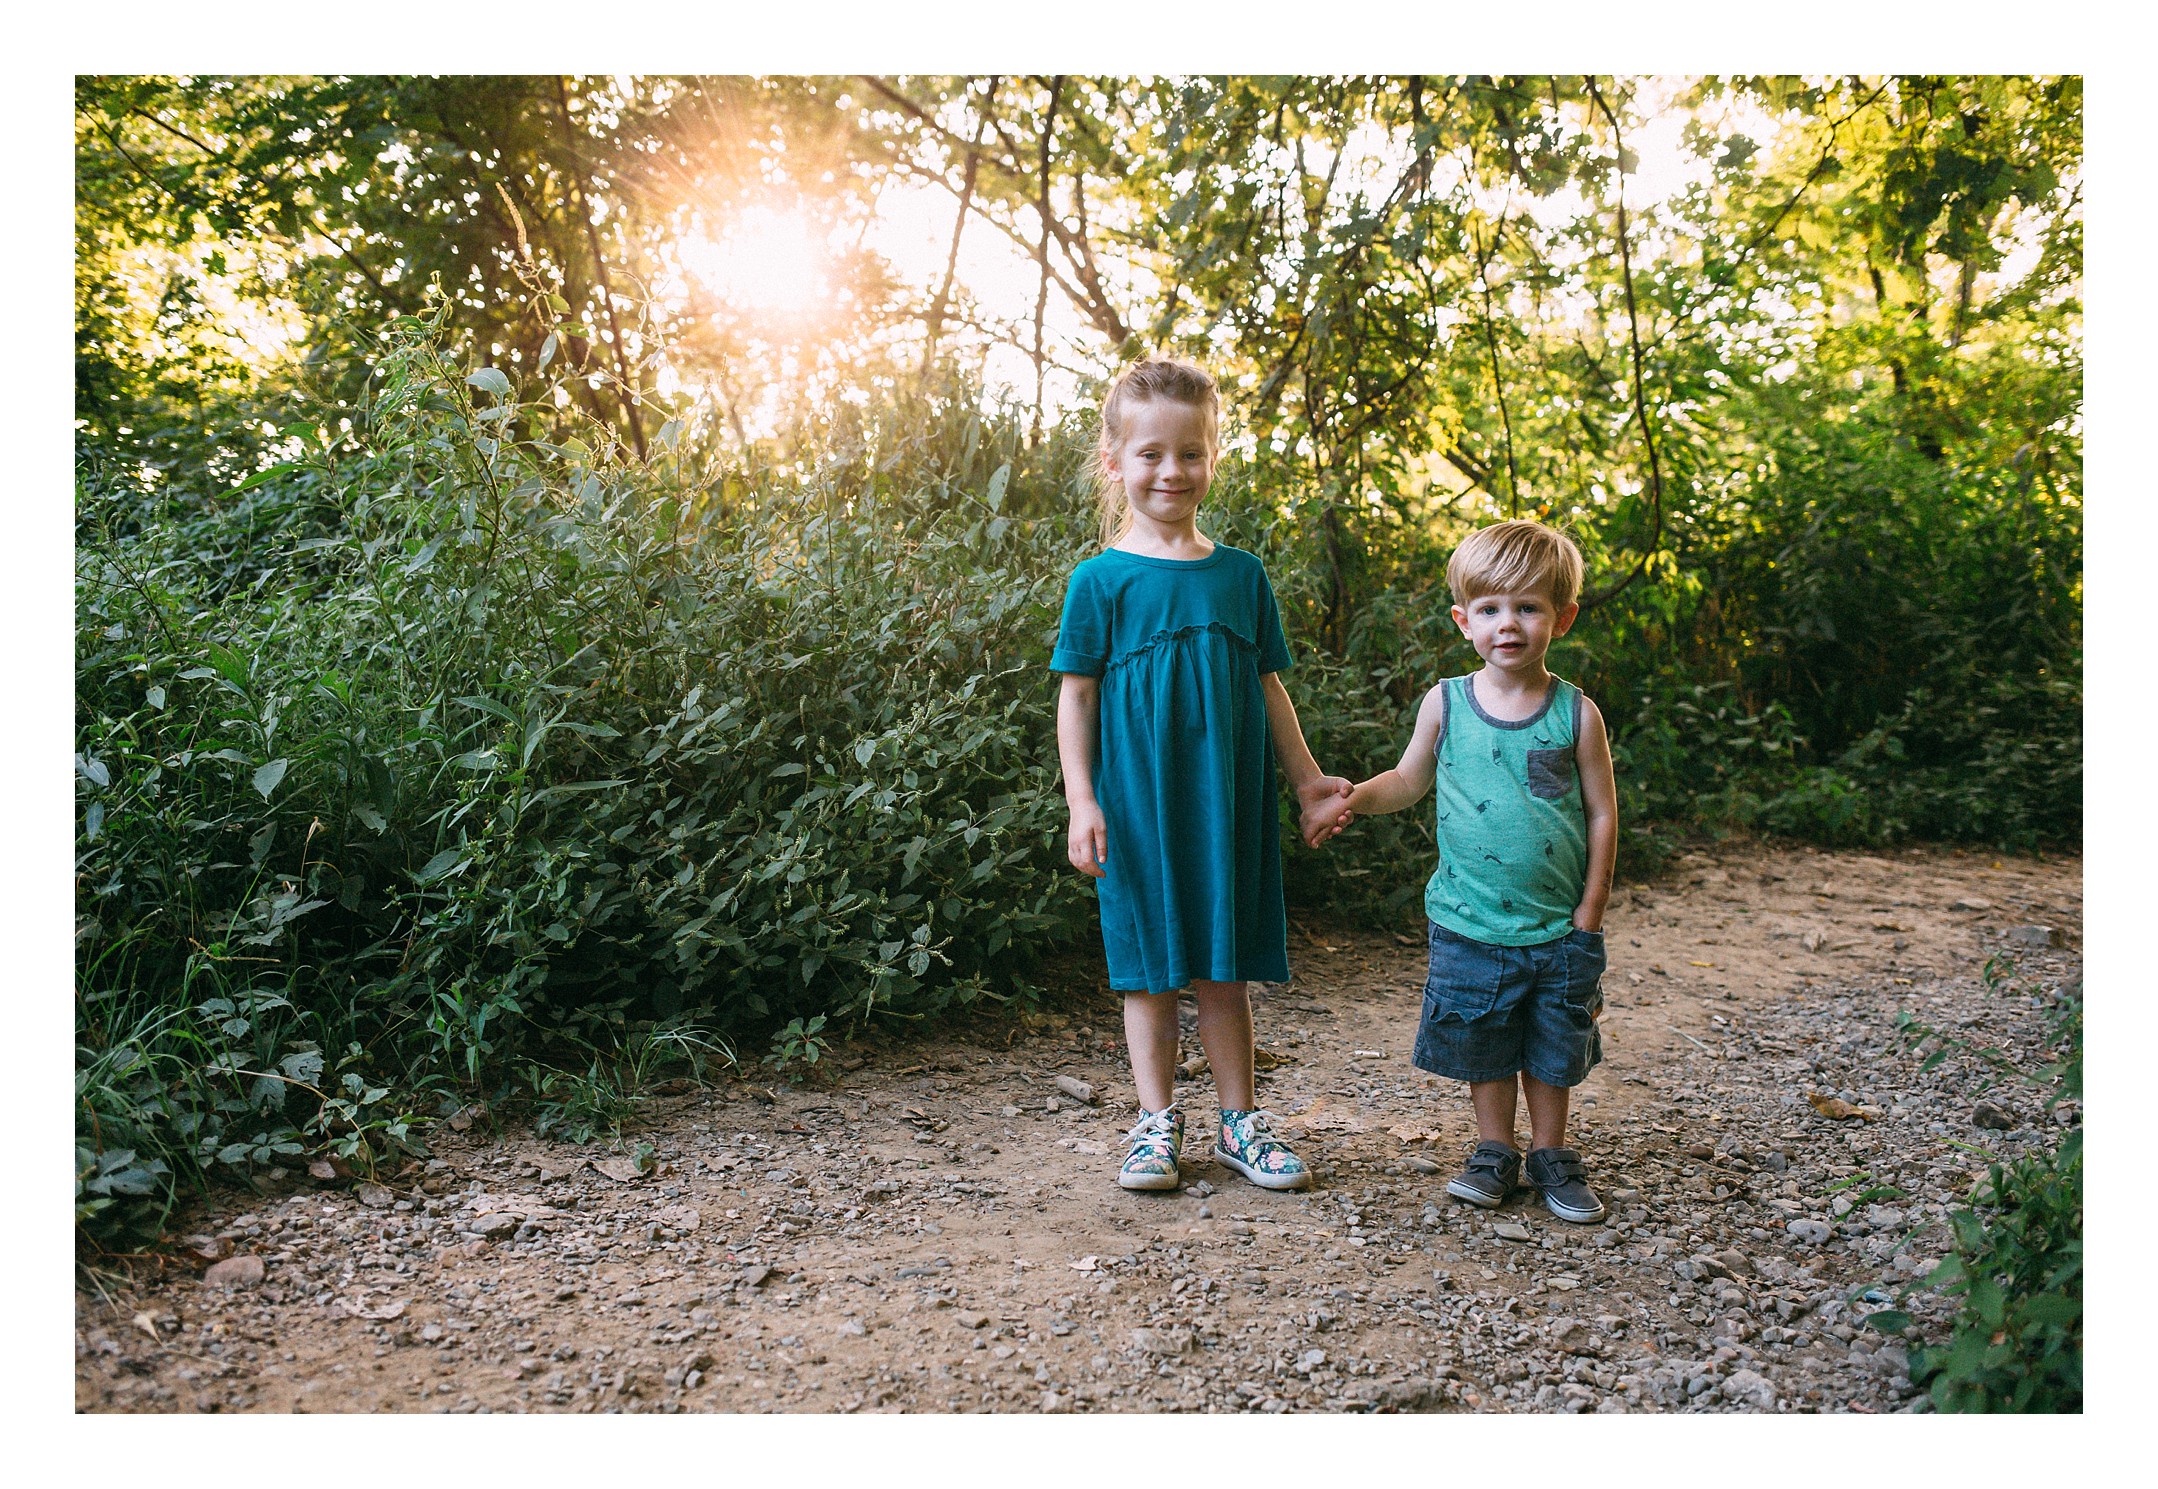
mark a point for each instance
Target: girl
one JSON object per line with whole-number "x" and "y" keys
{"x": 1169, "y": 721}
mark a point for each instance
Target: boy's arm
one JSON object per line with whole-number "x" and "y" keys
{"x": 1405, "y": 784}
{"x": 1078, "y": 725}
{"x": 1599, "y": 800}
{"x": 1321, "y": 798}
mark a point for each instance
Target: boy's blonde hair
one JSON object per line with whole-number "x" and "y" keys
{"x": 1516, "y": 557}
{"x": 1170, "y": 379}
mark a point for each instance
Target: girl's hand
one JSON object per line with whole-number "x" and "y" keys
{"x": 1088, "y": 845}
{"x": 1325, "y": 800}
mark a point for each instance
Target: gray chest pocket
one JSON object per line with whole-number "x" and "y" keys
{"x": 1551, "y": 772}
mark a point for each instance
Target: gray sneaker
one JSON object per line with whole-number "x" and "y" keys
{"x": 1489, "y": 1175}
{"x": 1557, "y": 1173}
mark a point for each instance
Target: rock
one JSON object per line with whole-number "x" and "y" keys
{"x": 1571, "y": 1335}
{"x": 1078, "y": 1090}
{"x": 1971, "y": 902}
{"x": 1509, "y": 1230}
{"x": 966, "y": 1318}
{"x": 1810, "y": 1232}
{"x": 2034, "y": 935}
{"x": 1990, "y": 1115}
{"x": 1734, "y": 1263}
{"x": 1417, "y": 1163}
{"x": 235, "y": 1272}
{"x": 1174, "y": 1340}
{"x": 496, "y": 1226}
{"x": 1751, "y": 1388}
{"x": 681, "y": 1217}
{"x": 375, "y": 1197}
{"x": 755, "y": 1276}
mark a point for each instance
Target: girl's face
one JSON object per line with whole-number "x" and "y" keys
{"x": 1164, "y": 462}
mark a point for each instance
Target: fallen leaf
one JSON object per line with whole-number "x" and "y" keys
{"x": 1087, "y": 1264}
{"x": 463, "y": 1119}
{"x": 1837, "y": 1108}
{"x": 1409, "y": 1134}
{"x": 1266, "y": 1059}
{"x": 1701, "y": 964}
{"x": 621, "y": 1170}
{"x": 147, "y": 1324}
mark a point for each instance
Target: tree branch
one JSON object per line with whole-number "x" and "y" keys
{"x": 1640, "y": 406}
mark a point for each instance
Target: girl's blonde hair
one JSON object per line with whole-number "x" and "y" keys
{"x": 1170, "y": 379}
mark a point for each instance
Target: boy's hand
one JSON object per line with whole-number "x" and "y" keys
{"x": 1088, "y": 845}
{"x": 1325, "y": 800}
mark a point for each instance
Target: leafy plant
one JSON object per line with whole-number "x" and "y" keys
{"x": 2016, "y": 1343}
{"x": 605, "y": 1095}
{"x": 797, "y": 1048}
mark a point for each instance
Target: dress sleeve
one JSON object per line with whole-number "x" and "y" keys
{"x": 1273, "y": 646}
{"x": 1083, "y": 630}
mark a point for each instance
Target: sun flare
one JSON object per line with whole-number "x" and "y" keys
{"x": 765, "y": 260}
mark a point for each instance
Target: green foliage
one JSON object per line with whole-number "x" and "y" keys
{"x": 603, "y": 1096}
{"x": 456, "y": 740}
{"x": 2017, "y": 1271}
{"x": 797, "y": 1048}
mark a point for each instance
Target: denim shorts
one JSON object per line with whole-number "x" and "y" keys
{"x": 1493, "y": 1011}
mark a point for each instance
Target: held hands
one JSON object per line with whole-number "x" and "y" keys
{"x": 1088, "y": 845}
{"x": 1325, "y": 800}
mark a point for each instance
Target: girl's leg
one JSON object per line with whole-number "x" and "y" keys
{"x": 1150, "y": 1035}
{"x": 1494, "y": 1102}
{"x": 1225, "y": 1035}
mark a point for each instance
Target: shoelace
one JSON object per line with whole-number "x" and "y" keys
{"x": 1259, "y": 1130}
{"x": 1155, "y": 1127}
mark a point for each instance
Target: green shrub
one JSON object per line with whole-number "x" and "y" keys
{"x": 2016, "y": 1274}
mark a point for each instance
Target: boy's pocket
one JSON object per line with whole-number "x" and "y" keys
{"x": 1551, "y": 772}
{"x": 1462, "y": 984}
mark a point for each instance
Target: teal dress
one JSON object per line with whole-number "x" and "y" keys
{"x": 1184, "y": 764}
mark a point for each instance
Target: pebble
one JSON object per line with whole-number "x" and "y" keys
{"x": 1508, "y": 1230}
{"x": 1164, "y": 1341}
{"x": 2034, "y": 935}
{"x": 1811, "y": 1232}
{"x": 1989, "y": 1115}
{"x": 235, "y": 1272}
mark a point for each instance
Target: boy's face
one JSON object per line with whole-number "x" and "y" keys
{"x": 1512, "y": 632}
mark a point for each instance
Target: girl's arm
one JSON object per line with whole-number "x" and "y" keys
{"x": 1078, "y": 727}
{"x": 1323, "y": 798}
{"x": 1599, "y": 800}
{"x": 1405, "y": 784}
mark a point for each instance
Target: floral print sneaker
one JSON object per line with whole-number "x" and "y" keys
{"x": 1156, "y": 1140}
{"x": 1248, "y": 1145}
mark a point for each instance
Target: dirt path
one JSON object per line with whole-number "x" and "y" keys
{"x": 942, "y": 1230}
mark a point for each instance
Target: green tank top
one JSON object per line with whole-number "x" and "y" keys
{"x": 1513, "y": 837}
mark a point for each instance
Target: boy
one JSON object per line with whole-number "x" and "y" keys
{"x": 1527, "y": 832}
